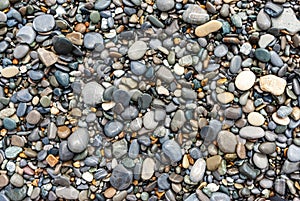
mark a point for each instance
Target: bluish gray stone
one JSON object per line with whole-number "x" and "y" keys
{"x": 137, "y": 68}
{"x": 64, "y": 153}
{"x": 35, "y": 75}
{"x": 12, "y": 152}
{"x": 163, "y": 182}
{"x": 78, "y": 141}
{"x": 44, "y": 23}
{"x": 91, "y": 39}
{"x": 172, "y": 150}
{"x": 26, "y": 34}
{"x": 9, "y": 124}
{"x": 62, "y": 78}
{"x": 102, "y": 4}
{"x": 113, "y": 128}
{"x": 121, "y": 178}
{"x": 134, "y": 149}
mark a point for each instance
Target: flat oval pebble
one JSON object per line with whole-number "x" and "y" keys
{"x": 92, "y": 93}
{"x": 281, "y": 121}
{"x": 263, "y": 20}
{"x": 137, "y": 50}
{"x": 91, "y": 39}
{"x": 165, "y": 5}
{"x": 255, "y": 119}
{"x": 262, "y": 55}
{"x": 207, "y": 28}
{"x": 293, "y": 153}
{"x": 227, "y": 141}
{"x": 21, "y": 51}
{"x": 172, "y": 150}
{"x": 148, "y": 168}
{"x": 260, "y": 160}
{"x": 221, "y": 50}
{"x": 102, "y": 4}
{"x": 245, "y": 80}
{"x": 113, "y": 128}
{"x": 78, "y": 141}
{"x": 252, "y": 132}
{"x": 10, "y": 72}
{"x": 43, "y": 23}
{"x": 26, "y": 34}
{"x": 194, "y": 14}
{"x": 198, "y": 170}
{"x": 225, "y": 97}
{"x": 33, "y": 117}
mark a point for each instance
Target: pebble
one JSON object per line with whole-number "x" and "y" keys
{"x": 4, "y": 4}
{"x": 163, "y": 182}
{"x": 48, "y": 58}
{"x": 43, "y": 23}
{"x": 69, "y": 193}
{"x": 235, "y": 64}
{"x": 198, "y": 170}
{"x": 92, "y": 93}
{"x": 227, "y": 142}
{"x": 165, "y": 5}
{"x": 265, "y": 40}
{"x": 17, "y": 180}
{"x": 102, "y": 4}
{"x": 9, "y": 124}
{"x": 26, "y": 34}
{"x": 78, "y": 141}
{"x": 262, "y": 55}
{"x": 288, "y": 15}
{"x": 218, "y": 196}
{"x": 251, "y": 132}
{"x": 221, "y": 50}
{"x": 274, "y": 10}
{"x": 95, "y": 17}
{"x": 207, "y": 28}
{"x": 148, "y": 168}
{"x": 172, "y": 150}
{"x": 62, "y": 45}
{"x": 149, "y": 121}
{"x": 213, "y": 162}
{"x": 275, "y": 59}
{"x": 137, "y": 68}
{"x": 121, "y": 178}
{"x": 119, "y": 148}
{"x": 91, "y": 39}
{"x": 62, "y": 78}
{"x": 246, "y": 48}
{"x": 267, "y": 147}
{"x": 284, "y": 111}
{"x": 21, "y": 51}
{"x": 273, "y": 84}
{"x": 260, "y": 160}
{"x": 225, "y": 97}
{"x": 194, "y": 14}
{"x": 255, "y": 119}
{"x": 137, "y": 50}
{"x": 245, "y": 80}
{"x": 33, "y": 117}
{"x": 263, "y": 20}
{"x": 12, "y": 152}
{"x": 113, "y": 128}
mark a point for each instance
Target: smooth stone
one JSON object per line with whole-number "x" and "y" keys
{"x": 275, "y": 59}
{"x": 26, "y": 35}
{"x": 194, "y": 14}
{"x": 245, "y": 80}
{"x": 4, "y": 180}
{"x": 163, "y": 182}
{"x": 4, "y": 4}
{"x": 91, "y": 39}
{"x": 33, "y": 117}
{"x": 218, "y": 196}
{"x": 113, "y": 128}
{"x": 274, "y": 10}
{"x": 207, "y": 28}
{"x": 148, "y": 168}
{"x": 265, "y": 40}
{"x": 12, "y": 152}
{"x": 233, "y": 112}
{"x": 92, "y": 93}
{"x": 221, "y": 50}
{"x": 62, "y": 78}
{"x": 165, "y": 5}
{"x": 178, "y": 120}
{"x": 255, "y": 119}
{"x": 236, "y": 20}
{"x": 43, "y": 23}
{"x": 20, "y": 51}
{"x": 280, "y": 186}
{"x": 134, "y": 149}
{"x": 248, "y": 170}
{"x": 287, "y": 20}
{"x": 137, "y": 68}
{"x": 137, "y": 50}
{"x": 69, "y": 193}
{"x": 225, "y": 97}
{"x": 122, "y": 97}
{"x": 21, "y": 110}
{"x": 266, "y": 183}
{"x": 62, "y": 45}
{"x": 273, "y": 84}
{"x": 102, "y": 4}
{"x": 263, "y": 20}
{"x": 246, "y": 48}
{"x": 3, "y": 46}
{"x": 78, "y": 141}
{"x": 35, "y": 75}
{"x": 235, "y": 64}
{"x": 155, "y": 21}
{"x": 172, "y": 149}
{"x": 17, "y": 180}
{"x": 95, "y": 17}
{"x": 267, "y": 147}
{"x": 9, "y": 124}
{"x": 198, "y": 170}
{"x": 293, "y": 153}
{"x": 262, "y": 55}
{"x": 121, "y": 178}
{"x": 64, "y": 153}
{"x": 149, "y": 121}
{"x": 251, "y": 132}
{"x": 227, "y": 142}
{"x": 284, "y": 111}
{"x": 260, "y": 160}
{"x": 165, "y": 74}
{"x": 119, "y": 148}
{"x": 16, "y": 194}
{"x": 213, "y": 162}
{"x": 289, "y": 167}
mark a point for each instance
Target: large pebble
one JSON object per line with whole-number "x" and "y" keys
{"x": 273, "y": 84}
{"x": 227, "y": 141}
{"x": 218, "y": 196}
{"x": 252, "y": 132}
{"x": 221, "y": 50}
{"x": 207, "y": 28}
{"x": 148, "y": 168}
{"x": 121, "y": 178}
{"x": 260, "y": 160}
{"x": 287, "y": 21}
{"x": 113, "y": 128}
{"x": 92, "y": 93}
{"x": 4, "y": 4}
{"x": 245, "y": 80}
{"x": 91, "y": 39}
{"x": 44, "y": 23}
{"x": 293, "y": 153}
{"x": 33, "y": 117}
{"x": 225, "y": 97}
{"x": 198, "y": 170}
{"x": 26, "y": 34}
{"x": 255, "y": 119}
{"x": 172, "y": 150}
{"x": 10, "y": 72}
{"x": 165, "y": 5}
{"x": 69, "y": 193}
{"x": 263, "y": 20}
{"x": 137, "y": 50}
{"x": 194, "y": 14}
{"x": 262, "y": 55}
{"x": 78, "y": 141}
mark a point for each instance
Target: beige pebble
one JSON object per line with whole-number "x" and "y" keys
{"x": 185, "y": 162}
{"x": 48, "y": 58}
{"x": 245, "y": 80}
{"x": 249, "y": 107}
{"x": 110, "y": 192}
{"x": 225, "y": 97}
{"x": 273, "y": 84}
{"x": 213, "y": 162}
{"x": 63, "y": 132}
{"x": 256, "y": 119}
{"x": 282, "y": 121}
{"x": 207, "y": 28}
{"x": 75, "y": 38}
{"x": 295, "y": 113}
{"x": 9, "y": 72}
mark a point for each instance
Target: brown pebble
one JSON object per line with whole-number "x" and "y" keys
{"x": 80, "y": 27}
{"x": 3, "y": 180}
{"x": 207, "y": 28}
{"x": 51, "y": 160}
{"x": 17, "y": 141}
{"x": 33, "y": 117}
{"x": 241, "y": 151}
{"x": 110, "y": 192}
{"x": 63, "y": 132}
{"x": 213, "y": 162}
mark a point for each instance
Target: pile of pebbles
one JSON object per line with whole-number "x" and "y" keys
{"x": 149, "y": 100}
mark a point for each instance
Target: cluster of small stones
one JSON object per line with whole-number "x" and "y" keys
{"x": 149, "y": 100}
